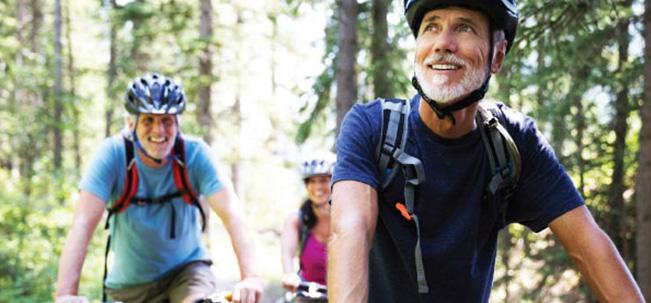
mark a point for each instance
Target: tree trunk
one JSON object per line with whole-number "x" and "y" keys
{"x": 57, "y": 128}
{"x": 616, "y": 221}
{"x": 346, "y": 77}
{"x": 380, "y": 51}
{"x": 505, "y": 245}
{"x": 274, "y": 37}
{"x": 111, "y": 73}
{"x": 204, "y": 113}
{"x": 37, "y": 19}
{"x": 643, "y": 182}
{"x": 236, "y": 114}
{"x": 21, "y": 21}
{"x": 236, "y": 169}
{"x": 580, "y": 126}
{"x": 76, "y": 138}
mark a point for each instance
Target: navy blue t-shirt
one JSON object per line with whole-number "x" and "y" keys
{"x": 458, "y": 227}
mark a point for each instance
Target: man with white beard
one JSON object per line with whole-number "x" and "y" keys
{"x": 428, "y": 233}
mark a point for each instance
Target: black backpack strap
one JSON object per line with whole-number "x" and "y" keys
{"x": 390, "y": 155}
{"x": 503, "y": 155}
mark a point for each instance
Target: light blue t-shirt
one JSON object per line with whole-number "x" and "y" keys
{"x": 140, "y": 235}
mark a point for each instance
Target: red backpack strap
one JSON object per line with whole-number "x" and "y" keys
{"x": 181, "y": 178}
{"x": 131, "y": 179}
{"x": 181, "y": 173}
{"x": 128, "y": 192}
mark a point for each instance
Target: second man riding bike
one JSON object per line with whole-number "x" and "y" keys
{"x": 150, "y": 180}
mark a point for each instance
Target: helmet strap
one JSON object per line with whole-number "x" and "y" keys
{"x": 446, "y": 111}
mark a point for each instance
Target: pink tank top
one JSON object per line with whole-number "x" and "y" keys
{"x": 314, "y": 260}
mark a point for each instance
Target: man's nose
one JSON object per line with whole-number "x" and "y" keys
{"x": 445, "y": 42}
{"x": 159, "y": 127}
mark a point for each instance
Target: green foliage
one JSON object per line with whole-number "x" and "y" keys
{"x": 564, "y": 71}
{"x": 395, "y": 67}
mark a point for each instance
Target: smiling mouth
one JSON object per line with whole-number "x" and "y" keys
{"x": 443, "y": 67}
{"x": 157, "y": 140}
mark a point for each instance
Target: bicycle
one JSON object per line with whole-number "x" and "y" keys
{"x": 218, "y": 297}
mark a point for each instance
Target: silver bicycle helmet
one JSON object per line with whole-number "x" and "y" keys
{"x": 154, "y": 94}
{"x": 316, "y": 167}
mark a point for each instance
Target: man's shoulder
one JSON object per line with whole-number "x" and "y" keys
{"x": 374, "y": 106}
{"x": 194, "y": 144}
{"x": 371, "y": 111}
{"x": 198, "y": 155}
{"x": 514, "y": 121}
{"x": 112, "y": 147}
{"x": 191, "y": 139}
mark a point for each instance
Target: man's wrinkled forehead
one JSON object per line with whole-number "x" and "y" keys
{"x": 463, "y": 14}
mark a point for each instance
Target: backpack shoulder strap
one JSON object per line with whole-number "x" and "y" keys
{"x": 181, "y": 179}
{"x": 128, "y": 193}
{"x": 394, "y": 130}
{"x": 130, "y": 181}
{"x": 391, "y": 155}
{"x": 503, "y": 154}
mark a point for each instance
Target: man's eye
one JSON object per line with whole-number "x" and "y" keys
{"x": 465, "y": 28}
{"x": 429, "y": 27}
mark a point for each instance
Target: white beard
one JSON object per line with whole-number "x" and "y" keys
{"x": 435, "y": 87}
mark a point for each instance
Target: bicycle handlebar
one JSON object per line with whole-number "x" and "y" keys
{"x": 220, "y": 297}
{"x": 312, "y": 290}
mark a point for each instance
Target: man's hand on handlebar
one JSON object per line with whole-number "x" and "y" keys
{"x": 291, "y": 281}
{"x": 248, "y": 290}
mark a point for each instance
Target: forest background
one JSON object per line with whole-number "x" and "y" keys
{"x": 268, "y": 83}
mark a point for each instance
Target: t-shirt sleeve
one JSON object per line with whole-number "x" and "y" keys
{"x": 356, "y": 146}
{"x": 545, "y": 191}
{"x": 205, "y": 171}
{"x": 104, "y": 170}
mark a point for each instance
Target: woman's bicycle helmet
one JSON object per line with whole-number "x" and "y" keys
{"x": 316, "y": 167}
{"x": 154, "y": 94}
{"x": 502, "y": 13}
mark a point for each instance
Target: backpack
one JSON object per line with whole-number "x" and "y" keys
{"x": 130, "y": 189}
{"x": 503, "y": 157}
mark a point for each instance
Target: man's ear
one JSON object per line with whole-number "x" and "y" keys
{"x": 131, "y": 122}
{"x": 498, "y": 56}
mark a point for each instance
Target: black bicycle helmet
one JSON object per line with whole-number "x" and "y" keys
{"x": 503, "y": 13}
{"x": 154, "y": 94}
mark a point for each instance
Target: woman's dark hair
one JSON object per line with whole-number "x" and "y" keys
{"x": 308, "y": 218}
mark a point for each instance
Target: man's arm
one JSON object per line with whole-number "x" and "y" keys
{"x": 596, "y": 257}
{"x": 227, "y": 206}
{"x": 353, "y": 215}
{"x": 88, "y": 212}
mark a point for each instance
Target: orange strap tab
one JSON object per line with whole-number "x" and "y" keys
{"x": 403, "y": 210}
